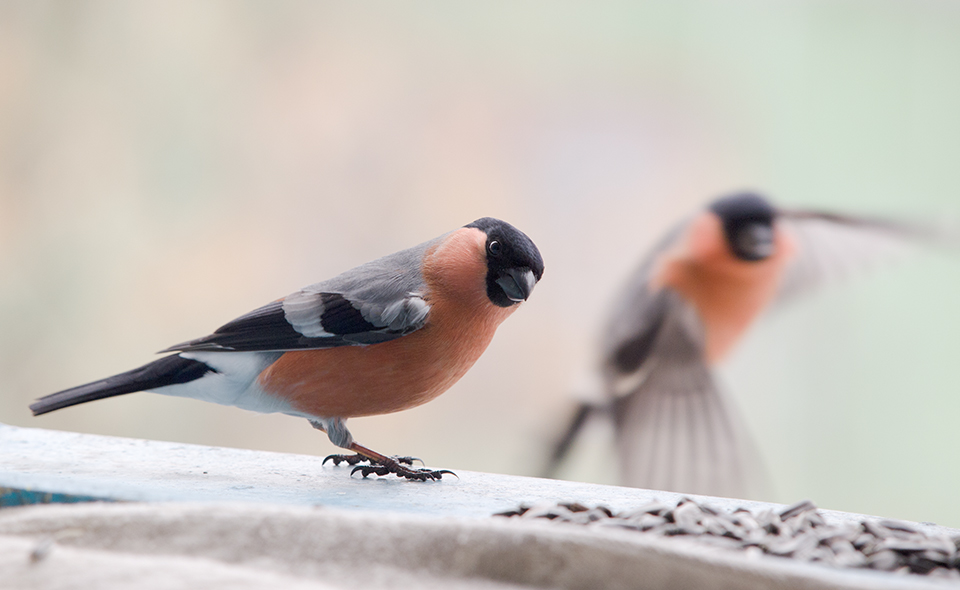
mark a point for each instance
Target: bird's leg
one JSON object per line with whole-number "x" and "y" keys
{"x": 336, "y": 430}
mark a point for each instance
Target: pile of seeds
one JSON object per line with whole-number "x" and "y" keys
{"x": 798, "y": 531}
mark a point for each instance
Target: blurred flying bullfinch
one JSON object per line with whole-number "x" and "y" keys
{"x": 383, "y": 337}
{"x": 685, "y": 308}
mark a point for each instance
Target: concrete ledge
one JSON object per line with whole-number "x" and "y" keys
{"x": 112, "y": 468}
{"x": 267, "y": 518}
{"x": 162, "y": 545}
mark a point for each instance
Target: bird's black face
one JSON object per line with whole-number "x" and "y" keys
{"x": 514, "y": 264}
{"x": 747, "y": 225}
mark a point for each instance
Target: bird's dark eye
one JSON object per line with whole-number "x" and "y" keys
{"x": 494, "y": 248}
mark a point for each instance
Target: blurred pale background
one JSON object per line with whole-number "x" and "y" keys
{"x": 167, "y": 166}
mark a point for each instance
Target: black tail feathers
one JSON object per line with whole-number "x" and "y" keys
{"x": 563, "y": 444}
{"x": 169, "y": 370}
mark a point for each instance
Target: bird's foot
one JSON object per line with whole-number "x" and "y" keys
{"x": 391, "y": 466}
{"x": 358, "y": 458}
{"x": 383, "y": 465}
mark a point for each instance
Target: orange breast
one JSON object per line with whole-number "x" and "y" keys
{"x": 728, "y": 293}
{"x": 392, "y": 376}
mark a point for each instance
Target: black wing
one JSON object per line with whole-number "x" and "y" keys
{"x": 336, "y": 322}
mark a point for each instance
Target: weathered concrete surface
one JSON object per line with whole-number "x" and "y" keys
{"x": 228, "y": 518}
{"x": 153, "y": 471}
{"x": 247, "y": 546}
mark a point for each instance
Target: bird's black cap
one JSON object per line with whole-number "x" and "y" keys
{"x": 747, "y": 224}
{"x": 509, "y": 253}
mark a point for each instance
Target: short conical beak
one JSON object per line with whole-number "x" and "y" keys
{"x": 517, "y": 283}
{"x": 756, "y": 242}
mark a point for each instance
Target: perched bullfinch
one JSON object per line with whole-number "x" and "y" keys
{"x": 383, "y": 337}
{"x": 685, "y": 308}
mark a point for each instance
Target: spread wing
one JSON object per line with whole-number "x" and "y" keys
{"x": 833, "y": 247}
{"x": 675, "y": 429}
{"x": 637, "y": 315}
{"x": 376, "y": 302}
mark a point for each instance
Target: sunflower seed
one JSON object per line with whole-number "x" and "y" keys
{"x": 796, "y": 509}
{"x": 798, "y": 532}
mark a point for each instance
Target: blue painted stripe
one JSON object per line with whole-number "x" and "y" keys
{"x": 17, "y": 497}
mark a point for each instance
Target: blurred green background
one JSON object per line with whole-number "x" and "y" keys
{"x": 168, "y": 166}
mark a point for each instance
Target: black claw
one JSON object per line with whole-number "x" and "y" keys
{"x": 348, "y": 459}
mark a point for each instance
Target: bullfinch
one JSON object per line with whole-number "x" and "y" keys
{"x": 383, "y": 337}
{"x": 684, "y": 309}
